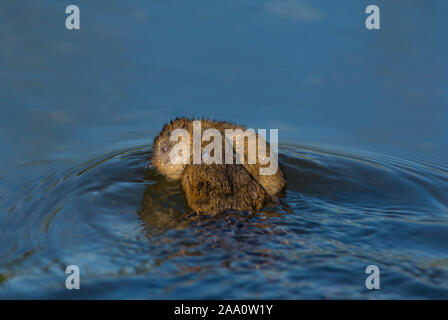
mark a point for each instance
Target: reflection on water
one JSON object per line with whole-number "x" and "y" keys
{"x": 131, "y": 234}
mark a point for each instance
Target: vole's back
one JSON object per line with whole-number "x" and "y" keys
{"x": 214, "y": 188}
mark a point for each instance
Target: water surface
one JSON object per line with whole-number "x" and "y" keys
{"x": 362, "y": 118}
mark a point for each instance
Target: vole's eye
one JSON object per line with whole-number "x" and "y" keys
{"x": 164, "y": 147}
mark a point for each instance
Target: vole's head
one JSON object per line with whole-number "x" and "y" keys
{"x": 162, "y": 147}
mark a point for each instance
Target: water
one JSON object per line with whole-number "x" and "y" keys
{"x": 362, "y": 124}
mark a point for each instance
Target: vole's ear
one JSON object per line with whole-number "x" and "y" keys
{"x": 215, "y": 188}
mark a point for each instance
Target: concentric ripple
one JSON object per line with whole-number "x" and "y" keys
{"x": 132, "y": 236}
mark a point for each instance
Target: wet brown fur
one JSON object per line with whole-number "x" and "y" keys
{"x": 214, "y": 188}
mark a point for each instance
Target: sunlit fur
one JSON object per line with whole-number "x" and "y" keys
{"x": 162, "y": 147}
{"x": 207, "y": 186}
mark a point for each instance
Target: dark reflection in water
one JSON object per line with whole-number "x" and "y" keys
{"x": 162, "y": 205}
{"x": 131, "y": 234}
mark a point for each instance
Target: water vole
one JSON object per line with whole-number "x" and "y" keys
{"x": 211, "y": 188}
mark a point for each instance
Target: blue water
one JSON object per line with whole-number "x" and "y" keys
{"x": 362, "y": 118}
